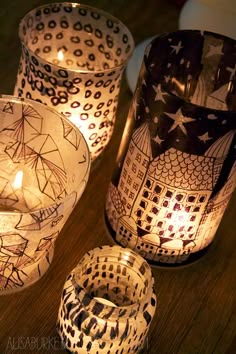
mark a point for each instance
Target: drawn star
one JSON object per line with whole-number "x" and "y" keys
{"x": 179, "y": 120}
{"x": 214, "y": 50}
{"x": 167, "y": 78}
{"x": 232, "y": 71}
{"x": 204, "y": 137}
{"x": 157, "y": 140}
{"x": 159, "y": 94}
{"x": 176, "y": 48}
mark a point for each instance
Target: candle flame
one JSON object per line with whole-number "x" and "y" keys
{"x": 17, "y": 183}
{"x": 60, "y": 55}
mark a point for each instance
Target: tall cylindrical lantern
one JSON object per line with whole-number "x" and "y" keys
{"x": 73, "y": 57}
{"x": 175, "y": 170}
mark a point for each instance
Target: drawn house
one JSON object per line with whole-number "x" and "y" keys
{"x": 135, "y": 166}
{"x": 164, "y": 199}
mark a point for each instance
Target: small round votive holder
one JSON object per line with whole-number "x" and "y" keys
{"x": 107, "y": 303}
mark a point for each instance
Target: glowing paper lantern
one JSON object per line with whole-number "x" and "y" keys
{"x": 73, "y": 57}
{"x": 107, "y": 303}
{"x": 176, "y": 169}
{"x": 39, "y": 186}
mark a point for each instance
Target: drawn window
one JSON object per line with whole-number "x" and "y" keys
{"x": 131, "y": 195}
{"x": 191, "y": 199}
{"x": 129, "y": 206}
{"x": 129, "y": 180}
{"x": 139, "y": 213}
{"x": 145, "y": 163}
{"x": 196, "y": 209}
{"x": 138, "y": 157}
{"x": 157, "y": 189}
{"x": 155, "y": 199}
{"x": 140, "y": 223}
{"x": 131, "y": 148}
{"x": 149, "y": 219}
{"x": 122, "y": 184}
{"x": 143, "y": 204}
{"x": 177, "y": 206}
{"x": 165, "y": 203}
{"x": 126, "y": 190}
{"x": 124, "y": 201}
{"x": 148, "y": 183}
{"x": 169, "y": 194}
{"x": 160, "y": 223}
{"x": 134, "y": 168}
{"x": 145, "y": 194}
{"x": 154, "y": 210}
{"x": 169, "y": 215}
{"x": 179, "y": 197}
{"x": 181, "y": 228}
{"x": 193, "y": 217}
{"x": 124, "y": 173}
{"x": 148, "y": 227}
{"x": 135, "y": 186}
{"x": 202, "y": 199}
{"x": 140, "y": 174}
{"x": 128, "y": 161}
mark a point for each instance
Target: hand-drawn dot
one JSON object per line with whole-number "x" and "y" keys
{"x": 73, "y": 90}
{"x": 78, "y": 26}
{"x": 98, "y": 33}
{"x": 63, "y": 73}
{"x": 97, "y": 95}
{"x": 48, "y": 36}
{"x": 59, "y": 35}
{"x": 75, "y": 104}
{"x": 40, "y": 26}
{"x": 78, "y": 52}
{"x": 75, "y": 39}
{"x": 52, "y": 24}
{"x": 84, "y": 116}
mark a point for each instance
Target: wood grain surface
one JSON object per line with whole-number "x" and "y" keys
{"x": 196, "y": 310}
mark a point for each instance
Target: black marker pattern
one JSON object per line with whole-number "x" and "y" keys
{"x": 176, "y": 172}
{"x": 73, "y": 57}
{"x": 120, "y": 276}
{"x": 37, "y": 141}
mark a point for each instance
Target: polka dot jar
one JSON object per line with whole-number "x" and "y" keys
{"x": 107, "y": 303}
{"x": 73, "y": 57}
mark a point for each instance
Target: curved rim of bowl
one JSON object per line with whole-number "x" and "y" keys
{"x": 83, "y": 6}
{"x": 164, "y": 87}
{"x": 106, "y": 251}
{"x": 31, "y": 102}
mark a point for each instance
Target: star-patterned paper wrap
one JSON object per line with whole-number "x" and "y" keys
{"x": 175, "y": 170}
{"x": 44, "y": 168}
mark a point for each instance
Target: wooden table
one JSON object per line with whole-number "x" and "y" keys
{"x": 196, "y": 304}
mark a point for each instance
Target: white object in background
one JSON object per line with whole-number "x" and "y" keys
{"x": 135, "y": 62}
{"x": 210, "y": 15}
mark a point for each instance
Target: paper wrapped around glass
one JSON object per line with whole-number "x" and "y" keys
{"x": 175, "y": 170}
{"x": 107, "y": 303}
{"x": 73, "y": 57}
{"x": 44, "y": 167}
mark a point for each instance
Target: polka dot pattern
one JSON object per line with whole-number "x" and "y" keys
{"x": 73, "y": 57}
